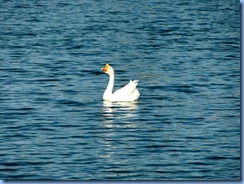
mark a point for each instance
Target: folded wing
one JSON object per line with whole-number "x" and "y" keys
{"x": 128, "y": 92}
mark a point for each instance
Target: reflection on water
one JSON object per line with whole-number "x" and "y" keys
{"x": 119, "y": 123}
{"x": 110, "y": 107}
{"x": 122, "y": 111}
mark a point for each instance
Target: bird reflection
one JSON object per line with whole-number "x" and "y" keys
{"x": 110, "y": 107}
{"x": 119, "y": 112}
{"x": 119, "y": 120}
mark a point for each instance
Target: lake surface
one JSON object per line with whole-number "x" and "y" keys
{"x": 53, "y": 122}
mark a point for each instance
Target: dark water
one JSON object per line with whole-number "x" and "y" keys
{"x": 54, "y": 124}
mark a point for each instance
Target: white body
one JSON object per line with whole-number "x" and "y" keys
{"x": 127, "y": 93}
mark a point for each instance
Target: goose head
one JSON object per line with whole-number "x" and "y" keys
{"x": 108, "y": 69}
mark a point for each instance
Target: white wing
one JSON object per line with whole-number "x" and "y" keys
{"x": 128, "y": 92}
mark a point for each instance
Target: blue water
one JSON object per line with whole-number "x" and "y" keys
{"x": 53, "y": 122}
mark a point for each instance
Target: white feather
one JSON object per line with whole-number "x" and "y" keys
{"x": 126, "y": 93}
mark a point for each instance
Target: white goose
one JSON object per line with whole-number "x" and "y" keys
{"x": 127, "y": 93}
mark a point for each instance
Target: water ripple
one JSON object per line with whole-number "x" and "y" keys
{"x": 54, "y": 124}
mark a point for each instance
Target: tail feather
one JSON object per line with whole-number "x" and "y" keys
{"x": 135, "y": 82}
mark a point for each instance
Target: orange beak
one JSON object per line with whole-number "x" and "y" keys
{"x": 105, "y": 69}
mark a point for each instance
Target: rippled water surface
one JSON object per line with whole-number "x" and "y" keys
{"x": 54, "y": 124}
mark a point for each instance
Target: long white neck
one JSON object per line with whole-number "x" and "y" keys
{"x": 109, "y": 90}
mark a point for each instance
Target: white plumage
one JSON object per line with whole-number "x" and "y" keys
{"x": 126, "y": 93}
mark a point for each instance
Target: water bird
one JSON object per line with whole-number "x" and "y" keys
{"x": 127, "y": 93}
